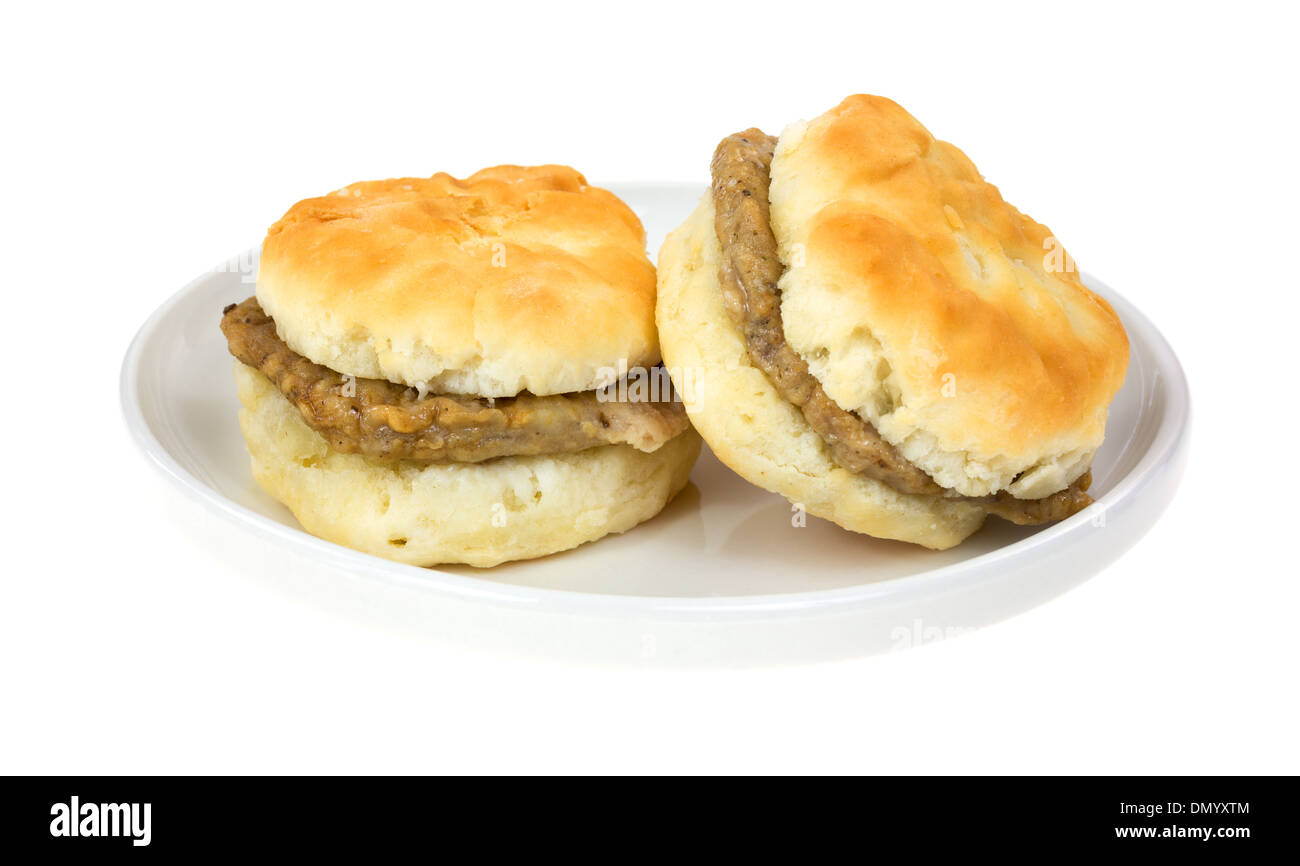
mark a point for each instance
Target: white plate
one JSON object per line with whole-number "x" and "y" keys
{"x": 722, "y": 575}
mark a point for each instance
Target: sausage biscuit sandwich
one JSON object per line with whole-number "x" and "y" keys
{"x": 424, "y": 370}
{"x": 878, "y": 336}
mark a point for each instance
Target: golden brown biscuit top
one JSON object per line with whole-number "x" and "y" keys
{"x": 515, "y": 278}
{"x": 929, "y": 305}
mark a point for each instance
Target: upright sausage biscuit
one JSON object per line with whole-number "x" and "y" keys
{"x": 422, "y": 369}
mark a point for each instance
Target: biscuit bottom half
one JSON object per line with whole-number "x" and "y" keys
{"x": 481, "y": 514}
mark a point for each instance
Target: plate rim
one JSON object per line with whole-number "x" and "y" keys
{"x": 1168, "y": 446}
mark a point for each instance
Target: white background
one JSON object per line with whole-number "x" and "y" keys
{"x": 143, "y": 145}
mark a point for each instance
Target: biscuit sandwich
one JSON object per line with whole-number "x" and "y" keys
{"x": 427, "y": 369}
{"x": 878, "y": 336}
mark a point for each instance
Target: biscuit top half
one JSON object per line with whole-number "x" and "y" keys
{"x": 931, "y": 307}
{"x": 514, "y": 279}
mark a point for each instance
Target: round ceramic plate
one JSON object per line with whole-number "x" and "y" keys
{"x": 725, "y": 574}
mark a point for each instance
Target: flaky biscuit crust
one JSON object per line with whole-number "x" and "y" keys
{"x": 516, "y": 278}
{"x": 931, "y": 307}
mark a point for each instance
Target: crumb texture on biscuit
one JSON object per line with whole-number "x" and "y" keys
{"x": 514, "y": 279}
{"x": 755, "y": 432}
{"x": 929, "y": 306}
{"x": 482, "y": 514}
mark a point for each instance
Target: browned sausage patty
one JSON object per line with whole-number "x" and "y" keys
{"x": 750, "y": 271}
{"x": 386, "y": 421}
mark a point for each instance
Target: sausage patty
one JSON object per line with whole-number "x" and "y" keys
{"x": 386, "y": 421}
{"x": 750, "y": 271}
